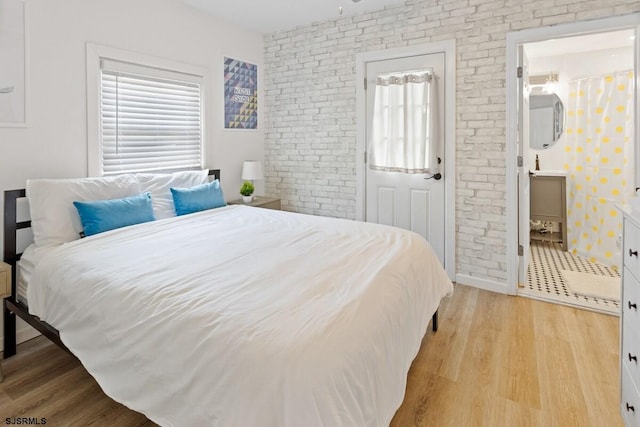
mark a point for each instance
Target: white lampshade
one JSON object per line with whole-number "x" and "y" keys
{"x": 251, "y": 170}
{"x": 551, "y": 85}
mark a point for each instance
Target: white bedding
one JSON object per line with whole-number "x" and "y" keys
{"x": 25, "y": 266}
{"x": 244, "y": 316}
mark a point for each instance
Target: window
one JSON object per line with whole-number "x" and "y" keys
{"x": 148, "y": 116}
{"x": 403, "y": 135}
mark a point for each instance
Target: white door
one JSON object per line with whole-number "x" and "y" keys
{"x": 523, "y": 166}
{"x": 411, "y": 201}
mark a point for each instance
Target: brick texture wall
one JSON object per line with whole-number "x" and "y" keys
{"x": 310, "y": 107}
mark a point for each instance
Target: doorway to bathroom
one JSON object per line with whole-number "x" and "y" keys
{"x": 578, "y": 163}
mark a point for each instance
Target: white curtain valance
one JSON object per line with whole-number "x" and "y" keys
{"x": 400, "y": 80}
{"x": 404, "y": 133}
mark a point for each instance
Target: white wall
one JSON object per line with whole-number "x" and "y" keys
{"x": 572, "y": 66}
{"x": 54, "y": 144}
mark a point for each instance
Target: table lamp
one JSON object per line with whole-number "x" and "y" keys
{"x": 251, "y": 170}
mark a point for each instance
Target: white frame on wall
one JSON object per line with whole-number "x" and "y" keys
{"x": 25, "y": 80}
{"x": 625, "y": 22}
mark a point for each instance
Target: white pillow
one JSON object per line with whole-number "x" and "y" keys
{"x": 54, "y": 219}
{"x": 159, "y": 186}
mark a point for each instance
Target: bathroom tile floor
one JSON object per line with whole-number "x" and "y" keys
{"x": 545, "y": 282}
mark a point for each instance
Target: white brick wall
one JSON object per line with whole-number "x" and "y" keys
{"x": 310, "y": 102}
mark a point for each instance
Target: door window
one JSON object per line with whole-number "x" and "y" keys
{"x": 403, "y": 137}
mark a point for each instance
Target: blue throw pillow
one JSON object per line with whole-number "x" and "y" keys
{"x": 198, "y": 198}
{"x": 105, "y": 215}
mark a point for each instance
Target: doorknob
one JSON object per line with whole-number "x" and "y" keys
{"x": 436, "y": 176}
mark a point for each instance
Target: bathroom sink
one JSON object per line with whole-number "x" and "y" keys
{"x": 549, "y": 173}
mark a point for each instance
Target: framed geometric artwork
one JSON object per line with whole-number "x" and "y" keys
{"x": 13, "y": 92}
{"x": 240, "y": 94}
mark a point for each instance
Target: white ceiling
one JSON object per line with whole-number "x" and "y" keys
{"x": 588, "y": 43}
{"x": 266, "y": 16}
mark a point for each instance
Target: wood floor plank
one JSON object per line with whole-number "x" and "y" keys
{"x": 427, "y": 392}
{"x": 549, "y": 321}
{"x": 482, "y": 357}
{"x": 595, "y": 350}
{"x": 519, "y": 358}
{"x": 457, "y": 310}
{"x": 496, "y": 360}
{"x": 498, "y": 411}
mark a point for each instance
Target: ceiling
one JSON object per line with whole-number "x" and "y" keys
{"x": 588, "y": 43}
{"x": 266, "y": 16}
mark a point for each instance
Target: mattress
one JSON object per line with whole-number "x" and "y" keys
{"x": 25, "y": 267}
{"x": 245, "y": 316}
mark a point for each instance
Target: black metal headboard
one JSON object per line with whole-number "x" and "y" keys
{"x": 215, "y": 173}
{"x": 11, "y": 225}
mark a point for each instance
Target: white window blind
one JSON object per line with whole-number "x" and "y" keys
{"x": 151, "y": 119}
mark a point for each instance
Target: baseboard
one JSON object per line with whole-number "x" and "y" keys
{"x": 477, "y": 282}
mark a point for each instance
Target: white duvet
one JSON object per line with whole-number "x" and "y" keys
{"x": 244, "y": 316}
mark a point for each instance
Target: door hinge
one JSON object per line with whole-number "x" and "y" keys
{"x": 520, "y": 161}
{"x": 365, "y": 157}
{"x": 365, "y": 83}
{"x": 520, "y": 250}
{"x": 520, "y": 71}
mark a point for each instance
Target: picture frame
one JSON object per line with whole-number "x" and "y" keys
{"x": 240, "y": 94}
{"x": 13, "y": 78}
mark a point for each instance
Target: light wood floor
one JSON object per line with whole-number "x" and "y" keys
{"x": 496, "y": 361}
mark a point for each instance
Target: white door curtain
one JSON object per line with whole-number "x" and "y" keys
{"x": 404, "y": 127}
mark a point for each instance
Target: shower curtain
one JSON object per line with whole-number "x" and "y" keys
{"x": 599, "y": 146}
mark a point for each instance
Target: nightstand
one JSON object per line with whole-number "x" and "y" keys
{"x": 260, "y": 202}
{"x": 5, "y": 280}
{"x": 5, "y": 291}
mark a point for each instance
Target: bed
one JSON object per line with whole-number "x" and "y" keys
{"x": 241, "y": 315}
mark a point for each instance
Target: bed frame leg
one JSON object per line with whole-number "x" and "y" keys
{"x": 434, "y": 322}
{"x": 9, "y": 331}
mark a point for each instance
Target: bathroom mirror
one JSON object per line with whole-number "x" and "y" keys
{"x": 546, "y": 120}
